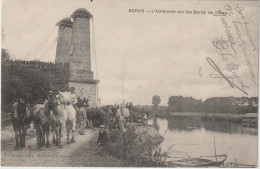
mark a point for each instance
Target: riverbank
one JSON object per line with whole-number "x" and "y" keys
{"x": 84, "y": 152}
{"x": 138, "y": 145}
{"x": 230, "y": 117}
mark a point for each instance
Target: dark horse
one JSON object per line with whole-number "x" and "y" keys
{"x": 42, "y": 121}
{"x": 99, "y": 115}
{"x": 21, "y": 114}
{"x": 96, "y": 116}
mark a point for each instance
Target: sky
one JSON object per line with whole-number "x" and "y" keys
{"x": 140, "y": 55}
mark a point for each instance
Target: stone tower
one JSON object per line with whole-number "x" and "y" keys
{"x": 80, "y": 61}
{"x": 64, "y": 40}
{"x": 81, "y": 75}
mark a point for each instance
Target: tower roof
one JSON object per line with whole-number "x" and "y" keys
{"x": 81, "y": 12}
{"x": 64, "y": 22}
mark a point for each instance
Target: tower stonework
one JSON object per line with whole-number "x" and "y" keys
{"x": 78, "y": 54}
{"x": 64, "y": 41}
{"x": 80, "y": 58}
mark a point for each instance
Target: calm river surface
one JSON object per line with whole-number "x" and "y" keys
{"x": 194, "y": 137}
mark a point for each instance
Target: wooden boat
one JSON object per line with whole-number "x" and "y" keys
{"x": 204, "y": 161}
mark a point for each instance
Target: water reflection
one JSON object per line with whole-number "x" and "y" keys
{"x": 194, "y": 137}
{"x": 189, "y": 124}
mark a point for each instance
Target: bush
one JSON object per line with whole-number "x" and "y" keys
{"x": 128, "y": 146}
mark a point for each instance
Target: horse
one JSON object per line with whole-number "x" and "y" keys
{"x": 21, "y": 114}
{"x": 94, "y": 116}
{"x": 99, "y": 115}
{"x": 42, "y": 121}
{"x": 59, "y": 117}
{"x": 64, "y": 98}
{"x": 82, "y": 101}
{"x": 79, "y": 104}
{"x": 113, "y": 110}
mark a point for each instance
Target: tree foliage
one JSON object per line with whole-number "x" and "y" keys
{"x": 213, "y": 104}
{"x": 156, "y": 100}
{"x": 28, "y": 82}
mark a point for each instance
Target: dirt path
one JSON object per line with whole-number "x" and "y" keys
{"x": 84, "y": 152}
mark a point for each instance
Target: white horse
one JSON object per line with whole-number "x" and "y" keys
{"x": 59, "y": 116}
{"x": 65, "y": 100}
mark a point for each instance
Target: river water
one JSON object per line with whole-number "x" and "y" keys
{"x": 186, "y": 137}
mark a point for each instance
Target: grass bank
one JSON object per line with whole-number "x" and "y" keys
{"x": 231, "y": 117}
{"x": 138, "y": 146}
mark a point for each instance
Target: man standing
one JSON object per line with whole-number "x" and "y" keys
{"x": 82, "y": 118}
{"x": 117, "y": 115}
{"x": 126, "y": 114}
{"x": 120, "y": 117}
{"x": 73, "y": 97}
{"x": 74, "y": 101}
{"x": 49, "y": 97}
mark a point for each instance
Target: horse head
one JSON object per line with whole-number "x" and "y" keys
{"x": 19, "y": 110}
{"x": 21, "y": 107}
{"x": 52, "y": 106}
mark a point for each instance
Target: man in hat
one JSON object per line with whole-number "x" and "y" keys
{"x": 103, "y": 136}
{"x": 74, "y": 101}
{"x": 73, "y": 97}
{"x": 82, "y": 118}
{"x": 50, "y": 96}
{"x": 126, "y": 115}
{"x": 121, "y": 117}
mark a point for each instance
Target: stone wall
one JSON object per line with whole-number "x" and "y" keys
{"x": 88, "y": 90}
{"x": 63, "y": 44}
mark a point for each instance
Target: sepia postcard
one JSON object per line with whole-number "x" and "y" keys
{"x": 129, "y": 83}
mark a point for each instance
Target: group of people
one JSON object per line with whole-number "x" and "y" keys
{"x": 121, "y": 119}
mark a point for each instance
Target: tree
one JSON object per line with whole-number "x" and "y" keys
{"x": 20, "y": 80}
{"x": 213, "y": 104}
{"x": 156, "y": 100}
{"x": 5, "y": 56}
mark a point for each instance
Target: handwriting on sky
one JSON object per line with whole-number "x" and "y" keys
{"x": 236, "y": 49}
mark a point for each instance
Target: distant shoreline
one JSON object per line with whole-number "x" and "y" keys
{"x": 204, "y": 116}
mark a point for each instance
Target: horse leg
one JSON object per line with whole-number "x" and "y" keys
{"x": 43, "y": 134}
{"x": 16, "y": 147}
{"x": 68, "y": 132}
{"x": 53, "y": 129}
{"x": 73, "y": 130}
{"x": 37, "y": 133}
{"x": 91, "y": 122}
{"x": 40, "y": 135}
{"x": 20, "y": 136}
{"x": 23, "y": 136}
{"x": 47, "y": 135}
{"x": 60, "y": 133}
{"x": 57, "y": 136}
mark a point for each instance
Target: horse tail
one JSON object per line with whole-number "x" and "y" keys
{"x": 13, "y": 109}
{"x": 29, "y": 115}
